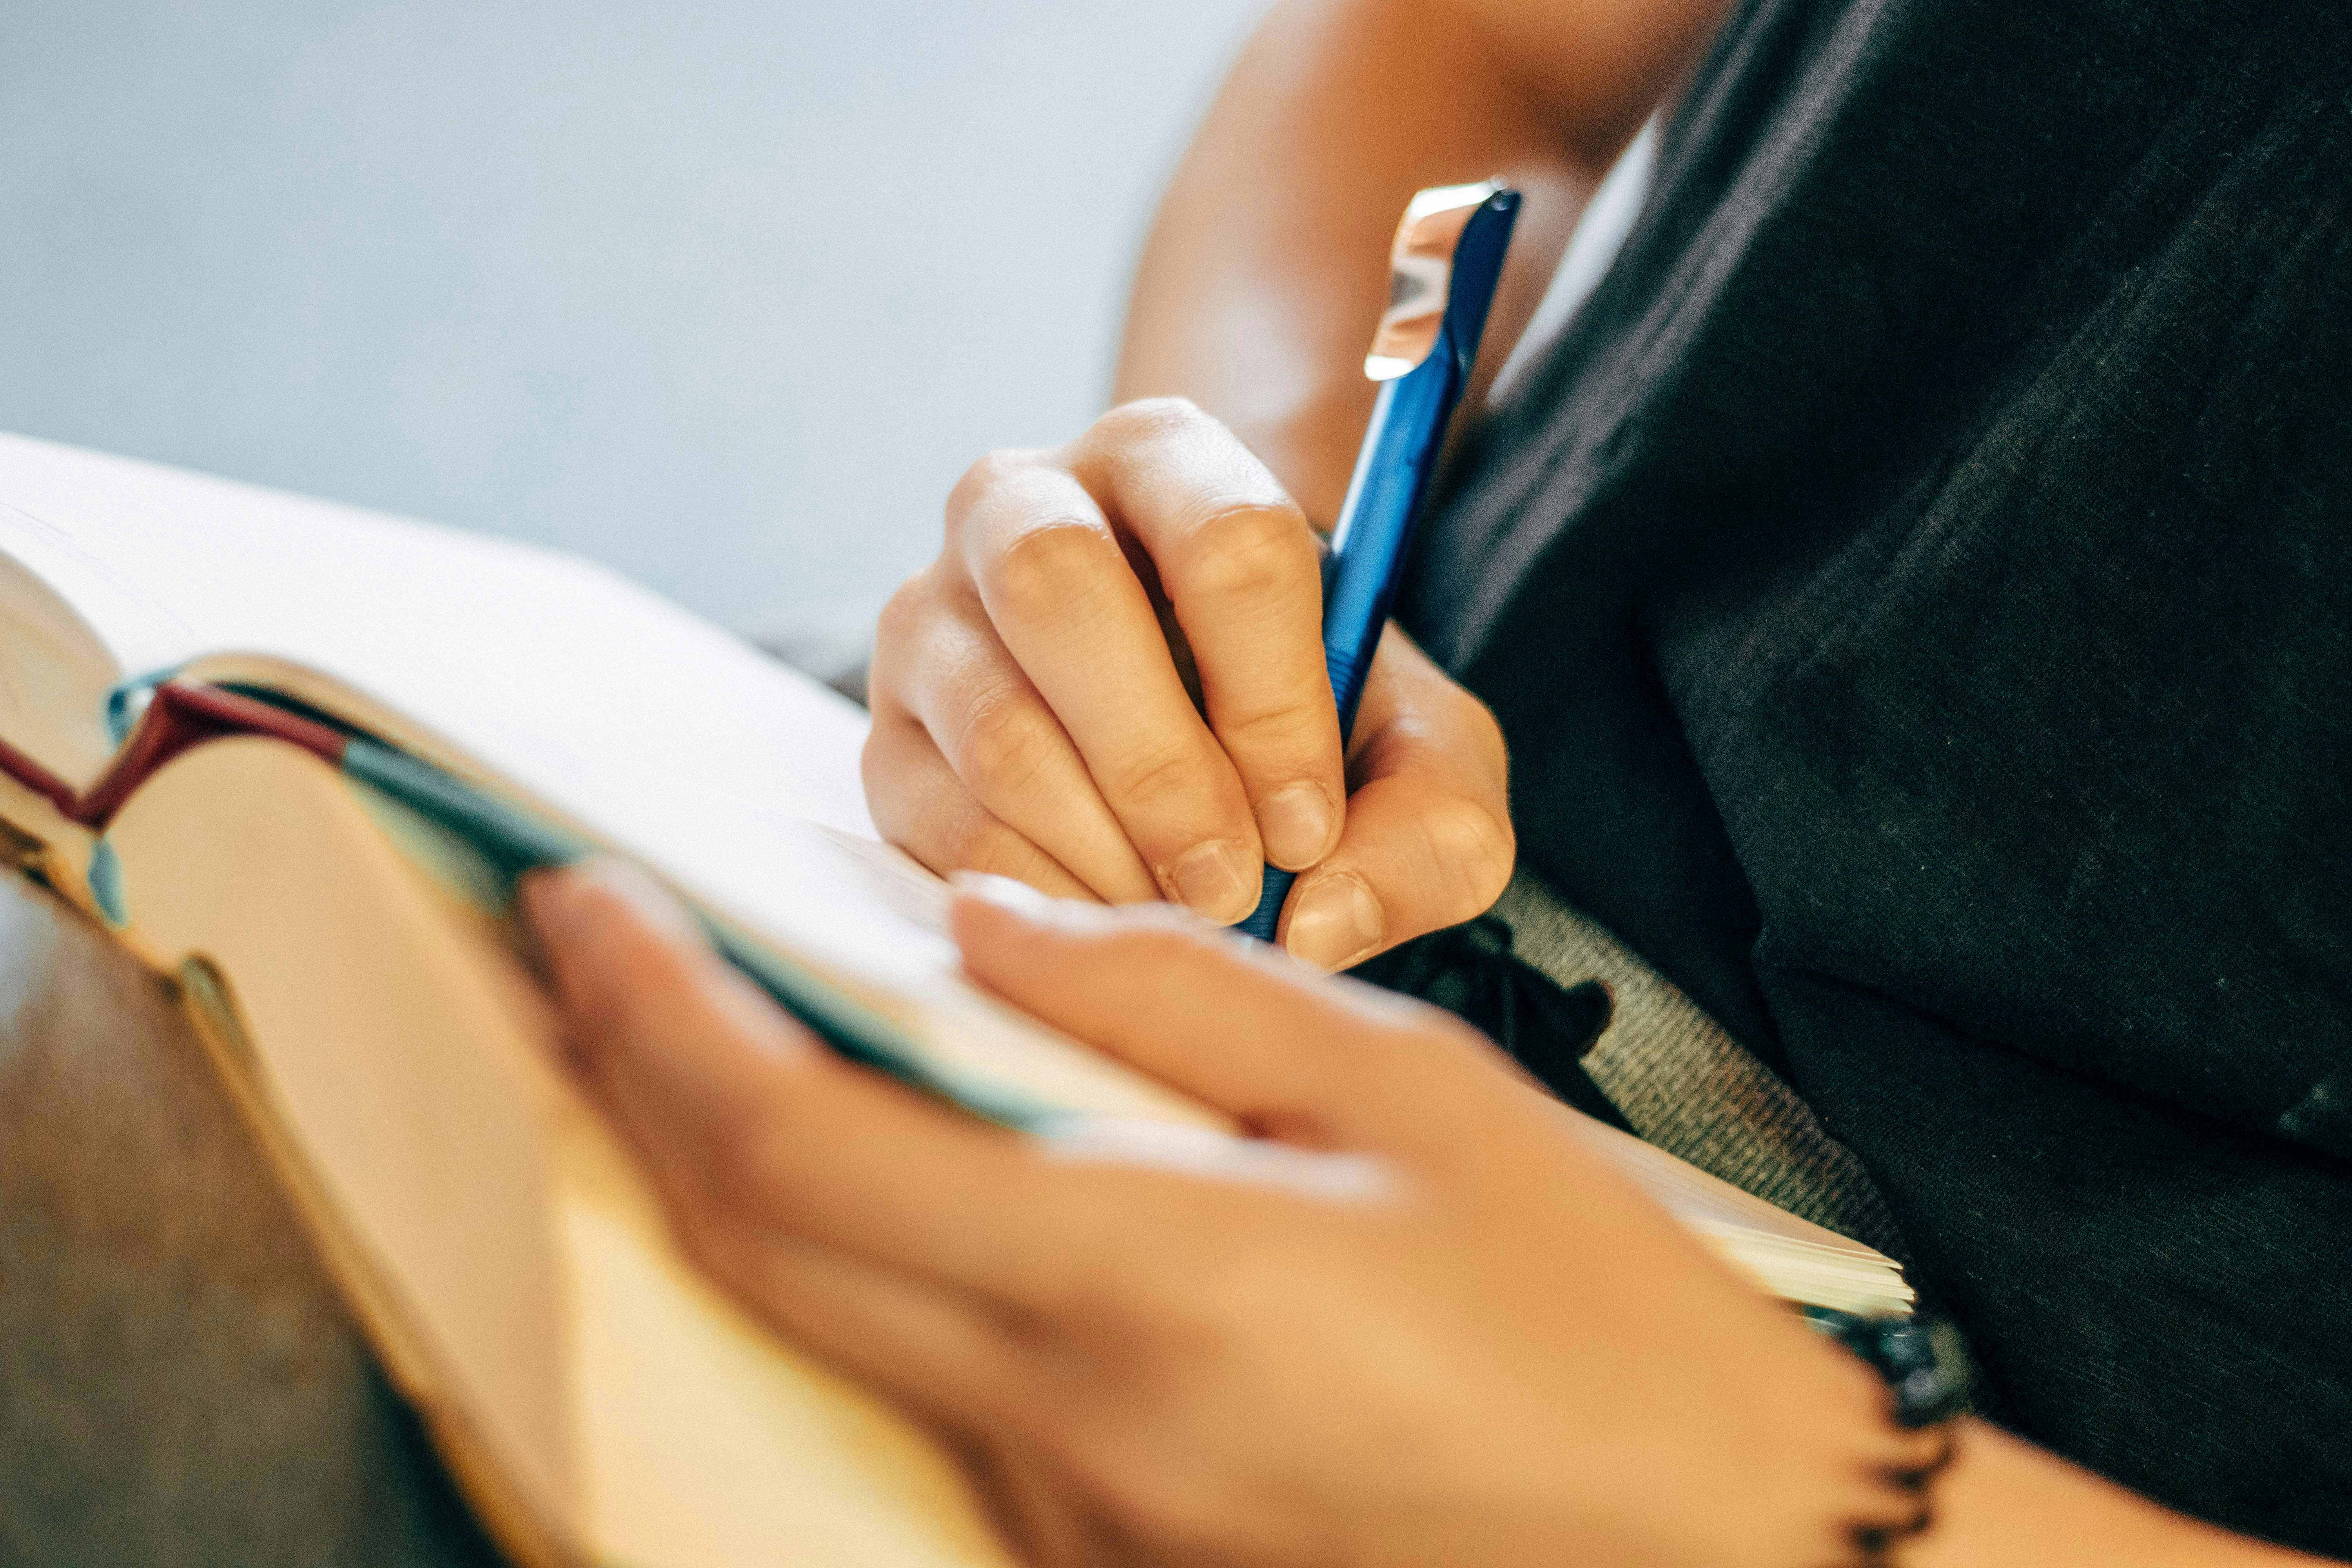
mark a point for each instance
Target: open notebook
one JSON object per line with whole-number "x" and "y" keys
{"x": 339, "y": 937}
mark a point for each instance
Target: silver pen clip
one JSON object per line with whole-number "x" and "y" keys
{"x": 1421, "y": 275}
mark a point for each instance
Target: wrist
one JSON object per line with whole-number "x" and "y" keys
{"x": 1816, "y": 1468}
{"x": 1926, "y": 1374}
{"x": 2004, "y": 1503}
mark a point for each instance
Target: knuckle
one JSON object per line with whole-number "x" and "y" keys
{"x": 1146, "y": 420}
{"x": 994, "y": 472}
{"x": 986, "y": 844}
{"x": 1003, "y": 747}
{"x": 1251, "y": 553}
{"x": 1047, "y": 567}
{"x": 1164, "y": 772}
{"x": 1290, "y": 729}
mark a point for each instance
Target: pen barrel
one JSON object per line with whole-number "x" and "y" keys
{"x": 1368, "y": 548}
{"x": 1394, "y": 468}
{"x": 1271, "y": 892}
{"x": 1391, "y": 475}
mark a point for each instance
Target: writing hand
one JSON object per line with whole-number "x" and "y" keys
{"x": 1034, "y": 702}
{"x": 1414, "y": 1320}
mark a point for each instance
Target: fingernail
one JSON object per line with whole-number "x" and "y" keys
{"x": 1217, "y": 880}
{"x": 1335, "y": 922}
{"x": 1295, "y": 822}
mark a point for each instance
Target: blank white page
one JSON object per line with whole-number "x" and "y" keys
{"x": 532, "y": 663}
{"x": 555, "y": 681}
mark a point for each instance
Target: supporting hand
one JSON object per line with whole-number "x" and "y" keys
{"x": 1412, "y": 1321}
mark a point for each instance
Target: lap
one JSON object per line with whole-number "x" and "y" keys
{"x": 178, "y": 1382}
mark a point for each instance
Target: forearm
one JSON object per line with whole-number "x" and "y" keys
{"x": 2005, "y": 1504}
{"x": 1267, "y": 265}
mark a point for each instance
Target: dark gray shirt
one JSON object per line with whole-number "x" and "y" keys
{"x": 1917, "y": 590}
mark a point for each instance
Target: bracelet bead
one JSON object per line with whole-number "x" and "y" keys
{"x": 1927, "y": 1375}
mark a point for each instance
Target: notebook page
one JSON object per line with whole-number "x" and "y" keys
{"x": 537, "y": 664}
{"x": 553, "y": 681}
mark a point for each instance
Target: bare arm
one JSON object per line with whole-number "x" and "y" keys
{"x": 2008, "y": 1504}
{"x": 1268, "y": 262}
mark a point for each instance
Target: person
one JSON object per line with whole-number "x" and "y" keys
{"x": 1906, "y": 604}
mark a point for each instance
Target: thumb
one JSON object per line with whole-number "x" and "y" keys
{"x": 1427, "y": 841}
{"x": 1286, "y": 1052}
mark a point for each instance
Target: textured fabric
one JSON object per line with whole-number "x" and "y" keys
{"x": 1915, "y": 593}
{"x": 1689, "y": 1087}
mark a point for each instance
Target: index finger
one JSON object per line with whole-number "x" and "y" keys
{"x": 1242, "y": 573}
{"x": 1288, "y": 1053}
{"x": 1069, "y": 608}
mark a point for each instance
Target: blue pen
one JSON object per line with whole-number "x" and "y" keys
{"x": 1448, "y": 254}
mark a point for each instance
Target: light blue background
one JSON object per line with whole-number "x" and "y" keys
{"x": 723, "y": 294}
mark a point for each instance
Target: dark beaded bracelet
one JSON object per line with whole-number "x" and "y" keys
{"x": 1926, "y": 1366}
{"x": 1922, "y": 1359}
